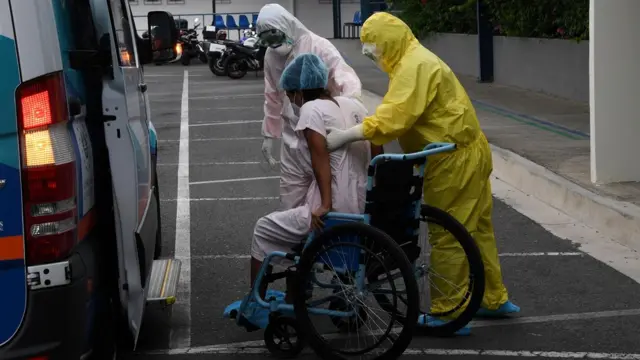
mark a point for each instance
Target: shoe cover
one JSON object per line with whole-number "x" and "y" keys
{"x": 254, "y": 313}
{"x": 434, "y": 322}
{"x": 504, "y": 310}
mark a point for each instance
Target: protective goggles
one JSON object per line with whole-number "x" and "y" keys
{"x": 272, "y": 38}
{"x": 370, "y": 51}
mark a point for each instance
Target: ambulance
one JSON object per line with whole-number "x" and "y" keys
{"x": 80, "y": 236}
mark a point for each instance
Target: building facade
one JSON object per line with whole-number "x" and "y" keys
{"x": 317, "y": 15}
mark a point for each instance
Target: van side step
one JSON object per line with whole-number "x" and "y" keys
{"x": 163, "y": 284}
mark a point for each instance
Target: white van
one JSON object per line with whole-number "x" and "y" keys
{"x": 79, "y": 206}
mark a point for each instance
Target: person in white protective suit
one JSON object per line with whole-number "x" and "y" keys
{"x": 327, "y": 182}
{"x": 287, "y": 37}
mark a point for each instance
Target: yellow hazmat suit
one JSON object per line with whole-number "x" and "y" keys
{"x": 426, "y": 103}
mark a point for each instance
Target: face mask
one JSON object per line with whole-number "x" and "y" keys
{"x": 296, "y": 108}
{"x": 283, "y": 50}
{"x": 371, "y": 51}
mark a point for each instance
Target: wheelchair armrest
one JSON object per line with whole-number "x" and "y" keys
{"x": 345, "y": 217}
{"x": 335, "y": 218}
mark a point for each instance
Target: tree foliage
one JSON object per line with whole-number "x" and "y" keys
{"x": 565, "y": 19}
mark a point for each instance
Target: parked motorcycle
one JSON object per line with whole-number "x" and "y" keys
{"x": 242, "y": 58}
{"x": 191, "y": 46}
{"x": 219, "y": 50}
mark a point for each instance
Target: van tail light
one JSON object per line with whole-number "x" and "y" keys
{"x": 48, "y": 170}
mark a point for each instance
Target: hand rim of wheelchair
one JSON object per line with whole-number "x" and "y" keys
{"x": 331, "y": 299}
{"x": 476, "y": 276}
{"x": 305, "y": 266}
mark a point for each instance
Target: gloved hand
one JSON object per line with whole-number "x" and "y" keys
{"x": 336, "y": 138}
{"x": 267, "y": 146}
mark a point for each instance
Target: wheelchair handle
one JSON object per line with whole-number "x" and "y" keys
{"x": 431, "y": 149}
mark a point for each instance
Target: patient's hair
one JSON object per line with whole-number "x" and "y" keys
{"x": 314, "y": 94}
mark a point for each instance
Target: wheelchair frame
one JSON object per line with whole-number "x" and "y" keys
{"x": 279, "y": 305}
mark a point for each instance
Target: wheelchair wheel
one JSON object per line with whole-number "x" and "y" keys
{"x": 468, "y": 296}
{"x": 283, "y": 337}
{"x": 460, "y": 311}
{"x": 349, "y": 251}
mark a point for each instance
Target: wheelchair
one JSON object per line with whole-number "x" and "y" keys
{"x": 364, "y": 255}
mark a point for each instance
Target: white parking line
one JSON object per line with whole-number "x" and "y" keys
{"x": 181, "y": 336}
{"x": 228, "y": 199}
{"x": 218, "y": 163}
{"x": 532, "y": 254}
{"x": 423, "y": 352}
{"x": 216, "y": 139}
{"x": 215, "y": 97}
{"x": 227, "y": 123}
{"x": 256, "y": 346}
{"x": 234, "y": 180}
{"x": 226, "y": 108}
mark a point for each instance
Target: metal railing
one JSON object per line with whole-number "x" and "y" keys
{"x": 205, "y": 18}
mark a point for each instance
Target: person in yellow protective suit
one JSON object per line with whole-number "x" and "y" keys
{"x": 426, "y": 103}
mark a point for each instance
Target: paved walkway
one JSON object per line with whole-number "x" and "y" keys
{"x": 214, "y": 185}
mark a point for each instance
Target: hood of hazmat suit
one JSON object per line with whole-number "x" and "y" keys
{"x": 343, "y": 80}
{"x": 279, "y": 118}
{"x": 426, "y": 103}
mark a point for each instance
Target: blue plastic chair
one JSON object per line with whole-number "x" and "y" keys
{"x": 243, "y": 22}
{"x": 231, "y": 24}
{"x": 353, "y": 27}
{"x": 219, "y": 23}
{"x": 254, "y": 19}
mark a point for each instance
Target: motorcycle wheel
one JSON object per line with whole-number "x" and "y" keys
{"x": 235, "y": 68}
{"x": 216, "y": 66}
{"x": 185, "y": 59}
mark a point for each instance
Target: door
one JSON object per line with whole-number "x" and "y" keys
{"x": 127, "y": 138}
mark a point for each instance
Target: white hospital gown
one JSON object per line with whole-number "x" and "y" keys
{"x": 282, "y": 230}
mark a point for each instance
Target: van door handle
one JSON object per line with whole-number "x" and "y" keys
{"x": 142, "y": 87}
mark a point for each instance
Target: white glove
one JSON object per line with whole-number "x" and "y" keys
{"x": 336, "y": 138}
{"x": 267, "y": 146}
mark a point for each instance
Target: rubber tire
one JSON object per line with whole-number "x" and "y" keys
{"x": 216, "y": 70}
{"x": 270, "y": 333}
{"x": 230, "y": 61}
{"x": 185, "y": 59}
{"x": 476, "y": 269}
{"x": 305, "y": 266}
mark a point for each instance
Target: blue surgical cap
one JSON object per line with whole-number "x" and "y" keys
{"x": 306, "y": 71}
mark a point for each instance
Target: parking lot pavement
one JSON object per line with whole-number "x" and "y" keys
{"x": 214, "y": 185}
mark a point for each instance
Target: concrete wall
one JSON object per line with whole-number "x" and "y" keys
{"x": 315, "y": 14}
{"x": 556, "y": 67}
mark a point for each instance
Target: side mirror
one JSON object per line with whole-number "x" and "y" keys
{"x": 163, "y": 36}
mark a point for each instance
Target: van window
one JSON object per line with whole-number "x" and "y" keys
{"x": 124, "y": 37}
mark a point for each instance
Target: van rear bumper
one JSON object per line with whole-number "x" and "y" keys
{"x": 58, "y": 321}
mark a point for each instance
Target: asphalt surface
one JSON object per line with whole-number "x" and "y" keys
{"x": 566, "y": 298}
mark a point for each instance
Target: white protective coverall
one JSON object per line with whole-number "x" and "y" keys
{"x": 283, "y": 230}
{"x": 279, "y": 119}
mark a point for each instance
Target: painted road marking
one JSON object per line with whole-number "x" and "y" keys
{"x": 440, "y": 352}
{"x": 590, "y": 241}
{"x": 532, "y": 254}
{"x": 217, "y": 139}
{"x": 219, "y": 163}
{"x": 229, "y": 199}
{"x": 234, "y": 180}
{"x": 181, "y": 336}
{"x": 232, "y": 122}
{"x": 255, "y": 346}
